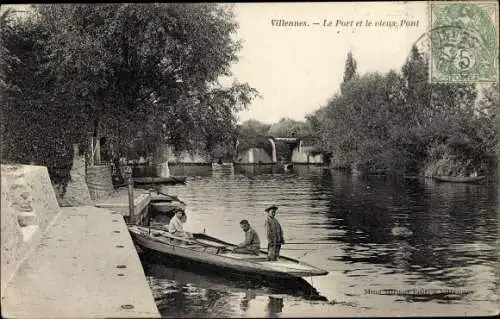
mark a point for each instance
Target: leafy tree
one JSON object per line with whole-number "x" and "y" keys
{"x": 350, "y": 70}
{"x": 117, "y": 69}
{"x": 29, "y": 110}
{"x": 7, "y": 58}
{"x": 139, "y": 58}
{"x": 287, "y": 127}
{"x": 400, "y": 122}
{"x": 254, "y": 127}
{"x": 253, "y": 133}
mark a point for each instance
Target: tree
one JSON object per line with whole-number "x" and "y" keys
{"x": 117, "y": 69}
{"x": 254, "y": 127}
{"x": 350, "y": 70}
{"x": 287, "y": 127}
{"x": 402, "y": 123}
{"x": 138, "y": 58}
{"x": 7, "y": 58}
{"x": 253, "y": 133}
{"x": 29, "y": 110}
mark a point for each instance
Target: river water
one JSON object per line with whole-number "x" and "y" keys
{"x": 373, "y": 233}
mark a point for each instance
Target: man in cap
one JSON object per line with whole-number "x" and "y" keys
{"x": 274, "y": 234}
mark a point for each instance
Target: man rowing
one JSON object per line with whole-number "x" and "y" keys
{"x": 251, "y": 245}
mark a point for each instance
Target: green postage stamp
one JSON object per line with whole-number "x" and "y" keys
{"x": 464, "y": 42}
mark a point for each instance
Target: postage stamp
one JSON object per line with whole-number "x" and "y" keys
{"x": 464, "y": 42}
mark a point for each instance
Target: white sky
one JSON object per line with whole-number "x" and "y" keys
{"x": 297, "y": 69}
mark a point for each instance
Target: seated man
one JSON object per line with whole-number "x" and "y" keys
{"x": 251, "y": 245}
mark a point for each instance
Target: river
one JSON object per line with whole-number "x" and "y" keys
{"x": 376, "y": 233}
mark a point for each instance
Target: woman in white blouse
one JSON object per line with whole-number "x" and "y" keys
{"x": 175, "y": 226}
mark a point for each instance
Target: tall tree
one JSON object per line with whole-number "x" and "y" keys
{"x": 350, "y": 69}
{"x": 401, "y": 122}
{"x": 139, "y": 58}
{"x": 117, "y": 69}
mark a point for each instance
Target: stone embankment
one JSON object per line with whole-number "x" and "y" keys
{"x": 65, "y": 262}
{"x": 28, "y": 205}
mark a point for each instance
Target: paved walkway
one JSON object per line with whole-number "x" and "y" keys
{"x": 85, "y": 266}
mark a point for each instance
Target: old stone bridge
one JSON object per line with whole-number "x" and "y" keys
{"x": 300, "y": 152}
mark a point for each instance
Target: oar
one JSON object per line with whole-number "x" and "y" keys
{"x": 310, "y": 243}
{"x": 187, "y": 240}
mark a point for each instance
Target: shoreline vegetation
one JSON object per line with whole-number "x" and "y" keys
{"x": 137, "y": 78}
{"x": 400, "y": 123}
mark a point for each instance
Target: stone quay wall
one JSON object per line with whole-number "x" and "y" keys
{"x": 28, "y": 206}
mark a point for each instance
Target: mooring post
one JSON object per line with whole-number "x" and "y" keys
{"x": 130, "y": 183}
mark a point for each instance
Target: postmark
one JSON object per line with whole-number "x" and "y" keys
{"x": 464, "y": 42}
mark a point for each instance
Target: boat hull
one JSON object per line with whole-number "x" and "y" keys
{"x": 197, "y": 266}
{"x": 222, "y": 166}
{"x": 160, "y": 180}
{"x": 456, "y": 179}
{"x": 190, "y": 257}
{"x": 166, "y": 207}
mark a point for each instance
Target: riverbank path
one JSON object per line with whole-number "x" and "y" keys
{"x": 85, "y": 266}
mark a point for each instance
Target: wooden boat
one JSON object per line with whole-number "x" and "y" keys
{"x": 212, "y": 252}
{"x": 459, "y": 179}
{"x": 160, "y": 180}
{"x": 288, "y": 166}
{"x": 165, "y": 207}
{"x": 160, "y": 196}
{"x": 222, "y": 165}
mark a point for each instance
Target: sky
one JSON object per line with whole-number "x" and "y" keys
{"x": 297, "y": 69}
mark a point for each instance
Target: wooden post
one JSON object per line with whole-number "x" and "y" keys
{"x": 97, "y": 154}
{"x": 91, "y": 150}
{"x": 130, "y": 183}
{"x": 131, "y": 200}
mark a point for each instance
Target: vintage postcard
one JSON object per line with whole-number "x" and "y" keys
{"x": 250, "y": 159}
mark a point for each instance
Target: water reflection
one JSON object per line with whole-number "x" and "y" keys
{"x": 191, "y": 293}
{"x": 384, "y": 233}
{"x": 249, "y": 295}
{"x": 274, "y": 306}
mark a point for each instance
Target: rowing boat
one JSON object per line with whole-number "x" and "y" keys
{"x": 162, "y": 203}
{"x": 212, "y": 252}
{"x": 160, "y": 180}
{"x": 459, "y": 179}
{"x": 165, "y": 207}
{"x": 222, "y": 165}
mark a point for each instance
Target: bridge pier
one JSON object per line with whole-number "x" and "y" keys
{"x": 273, "y": 145}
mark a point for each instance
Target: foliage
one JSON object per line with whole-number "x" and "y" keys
{"x": 253, "y": 133}
{"x": 287, "y": 127}
{"x": 400, "y": 122}
{"x": 350, "y": 70}
{"x": 254, "y": 127}
{"x": 34, "y": 131}
{"x": 7, "y": 59}
{"x": 116, "y": 70}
